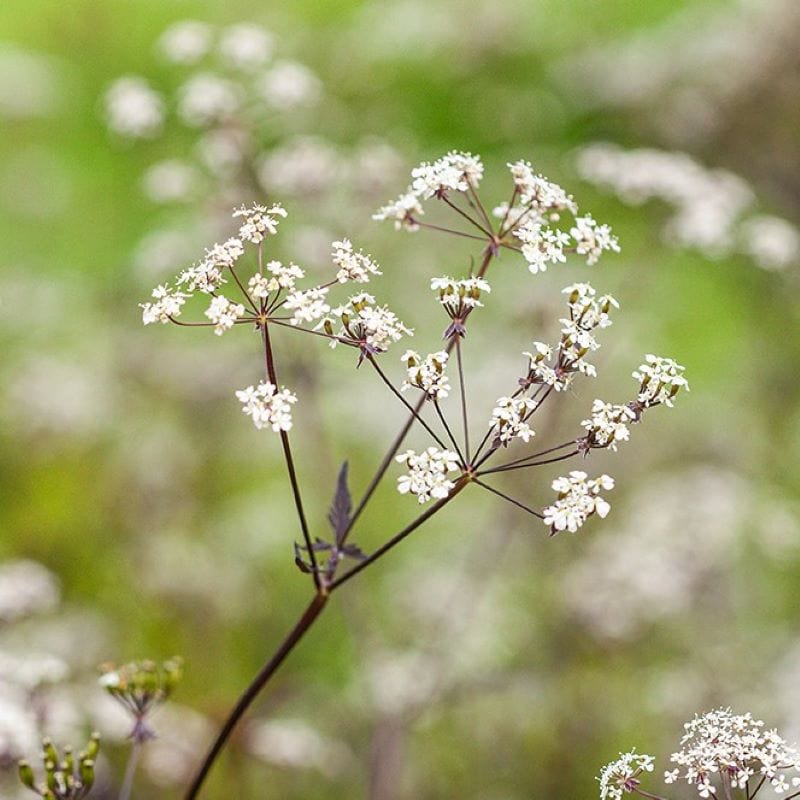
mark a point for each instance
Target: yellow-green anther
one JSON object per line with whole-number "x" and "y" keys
{"x": 94, "y": 745}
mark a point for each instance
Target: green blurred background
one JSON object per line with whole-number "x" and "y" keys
{"x": 482, "y": 660}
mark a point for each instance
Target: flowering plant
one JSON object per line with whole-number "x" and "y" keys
{"x": 269, "y": 298}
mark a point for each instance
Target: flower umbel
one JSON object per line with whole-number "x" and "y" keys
{"x": 578, "y": 499}
{"x": 67, "y": 778}
{"x": 622, "y": 776}
{"x": 268, "y": 407}
{"x": 427, "y": 473}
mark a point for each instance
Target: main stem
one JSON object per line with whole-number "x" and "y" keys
{"x": 130, "y": 770}
{"x": 267, "y": 671}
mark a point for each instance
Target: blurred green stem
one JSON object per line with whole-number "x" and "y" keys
{"x": 130, "y": 770}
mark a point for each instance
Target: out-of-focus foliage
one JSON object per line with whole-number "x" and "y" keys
{"x": 482, "y": 660}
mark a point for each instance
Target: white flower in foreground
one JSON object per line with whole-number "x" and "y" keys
{"x": 592, "y": 239}
{"x": 734, "y": 745}
{"x": 578, "y": 498}
{"x": 538, "y": 192}
{"x": 508, "y": 419}
{"x": 622, "y": 776}
{"x": 458, "y": 295}
{"x": 167, "y": 304}
{"x": 308, "y": 305}
{"x": 134, "y": 109}
{"x": 223, "y": 313}
{"x": 586, "y": 309}
{"x": 352, "y": 266}
{"x": 455, "y": 172}
{"x": 660, "y": 380}
{"x": 366, "y": 325}
{"x": 282, "y": 276}
{"x": 427, "y": 473}
{"x": 402, "y": 211}
{"x": 541, "y": 245}
{"x": 185, "y": 42}
{"x": 541, "y": 372}
{"x": 427, "y": 373}
{"x": 268, "y": 407}
{"x": 259, "y": 221}
{"x": 608, "y": 424}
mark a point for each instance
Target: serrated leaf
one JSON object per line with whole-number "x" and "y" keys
{"x": 341, "y": 507}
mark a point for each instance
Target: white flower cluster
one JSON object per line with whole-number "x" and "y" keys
{"x": 284, "y": 276}
{"x": 454, "y": 172}
{"x": 365, "y": 324}
{"x": 26, "y": 587}
{"x": 592, "y": 239}
{"x": 267, "y": 406}
{"x": 427, "y": 373}
{"x": 223, "y": 313}
{"x": 734, "y": 745}
{"x": 710, "y": 205}
{"x": 427, "y": 473}
{"x": 508, "y": 419}
{"x": 308, "y": 305}
{"x": 457, "y": 296}
{"x": 133, "y": 109}
{"x": 457, "y": 172}
{"x": 207, "y": 276}
{"x": 403, "y": 211}
{"x": 622, "y": 776}
{"x": 608, "y": 425}
{"x": 167, "y": 305}
{"x": 587, "y": 312}
{"x": 352, "y": 266}
{"x": 259, "y": 221}
{"x": 543, "y": 245}
{"x": 578, "y": 498}
{"x": 542, "y": 195}
{"x": 660, "y": 380}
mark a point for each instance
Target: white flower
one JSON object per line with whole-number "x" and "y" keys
{"x": 170, "y": 181}
{"x": 508, "y": 419}
{"x": 535, "y": 190}
{"x": 608, "y": 424}
{"x": 207, "y": 276}
{"x": 622, "y": 776}
{"x": 773, "y": 242}
{"x": 458, "y": 295}
{"x": 427, "y": 473}
{"x": 168, "y": 304}
{"x": 246, "y": 46}
{"x": 578, "y": 498}
{"x": 366, "y": 325}
{"x": 541, "y": 372}
{"x": 288, "y": 85}
{"x": 26, "y": 587}
{"x": 352, "y": 266}
{"x": 268, "y": 407}
{"x": 134, "y": 109}
{"x": 734, "y": 745}
{"x": 207, "y": 98}
{"x": 259, "y": 221}
{"x": 402, "y": 211}
{"x": 308, "y": 305}
{"x": 282, "y": 277}
{"x": 586, "y": 309}
{"x": 427, "y": 373}
{"x": 541, "y": 245}
{"x": 185, "y": 42}
{"x": 223, "y": 313}
{"x": 660, "y": 380}
{"x": 452, "y": 172}
{"x": 592, "y": 239}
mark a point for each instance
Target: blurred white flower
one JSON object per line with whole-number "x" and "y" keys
{"x": 246, "y": 46}
{"x": 185, "y": 42}
{"x": 288, "y": 85}
{"x": 133, "y": 108}
{"x": 206, "y": 98}
{"x": 170, "y": 181}
{"x": 773, "y": 242}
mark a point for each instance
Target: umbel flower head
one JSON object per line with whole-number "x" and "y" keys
{"x": 66, "y": 777}
{"x": 139, "y": 687}
{"x": 733, "y": 747}
{"x": 622, "y": 776}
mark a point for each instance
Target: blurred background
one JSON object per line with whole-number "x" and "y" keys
{"x": 141, "y": 515}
